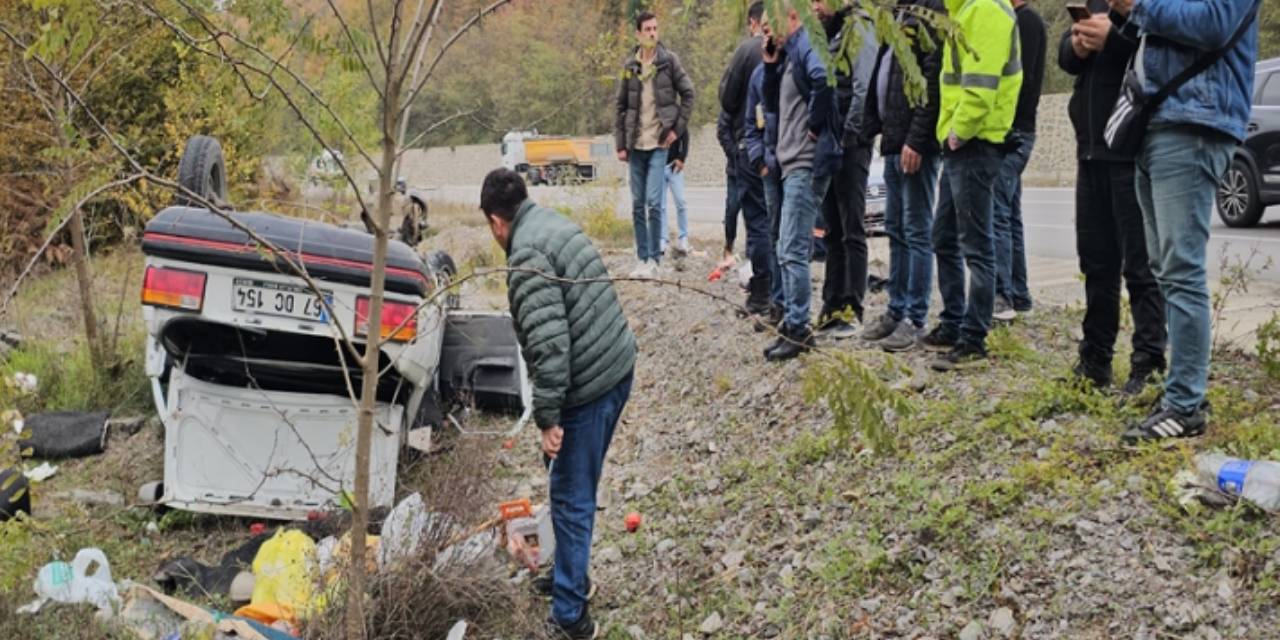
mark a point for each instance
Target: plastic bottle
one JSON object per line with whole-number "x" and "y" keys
{"x": 1258, "y": 482}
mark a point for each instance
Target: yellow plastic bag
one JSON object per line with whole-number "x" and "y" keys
{"x": 284, "y": 578}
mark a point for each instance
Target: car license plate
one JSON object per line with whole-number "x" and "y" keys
{"x": 275, "y": 299}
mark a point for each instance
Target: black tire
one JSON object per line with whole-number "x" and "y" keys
{"x": 1239, "y": 204}
{"x": 202, "y": 171}
{"x": 443, "y": 271}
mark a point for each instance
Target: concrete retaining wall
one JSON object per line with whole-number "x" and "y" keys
{"x": 1052, "y": 163}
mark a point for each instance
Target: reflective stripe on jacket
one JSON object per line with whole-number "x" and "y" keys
{"x": 981, "y": 80}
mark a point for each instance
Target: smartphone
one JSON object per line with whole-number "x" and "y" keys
{"x": 1078, "y": 11}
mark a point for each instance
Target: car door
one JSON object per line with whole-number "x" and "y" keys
{"x": 1264, "y": 135}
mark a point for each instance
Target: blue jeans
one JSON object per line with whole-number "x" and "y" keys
{"x": 647, "y": 182}
{"x": 675, "y": 182}
{"x": 773, "y": 204}
{"x": 962, "y": 237}
{"x": 1178, "y": 170}
{"x": 802, "y": 195}
{"x": 575, "y": 477}
{"x": 908, "y": 221}
{"x": 1011, "y": 247}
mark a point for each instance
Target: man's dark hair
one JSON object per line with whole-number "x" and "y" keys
{"x": 756, "y": 11}
{"x": 502, "y": 193}
{"x": 644, "y": 17}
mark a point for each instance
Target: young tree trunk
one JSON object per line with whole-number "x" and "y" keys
{"x": 369, "y": 383}
{"x": 80, "y": 258}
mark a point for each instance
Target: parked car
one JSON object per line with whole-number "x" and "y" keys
{"x": 876, "y": 193}
{"x": 248, "y": 372}
{"x": 1252, "y": 182}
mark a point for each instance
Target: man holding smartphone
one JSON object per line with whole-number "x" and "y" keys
{"x": 1110, "y": 240}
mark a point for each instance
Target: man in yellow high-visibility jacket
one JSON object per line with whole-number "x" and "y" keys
{"x": 980, "y": 82}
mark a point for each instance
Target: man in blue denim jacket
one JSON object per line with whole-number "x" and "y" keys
{"x": 1188, "y": 147}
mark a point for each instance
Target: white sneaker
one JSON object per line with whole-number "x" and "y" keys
{"x": 682, "y": 247}
{"x": 641, "y": 270}
{"x": 1003, "y": 311}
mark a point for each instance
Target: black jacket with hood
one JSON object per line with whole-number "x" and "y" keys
{"x": 1097, "y": 86}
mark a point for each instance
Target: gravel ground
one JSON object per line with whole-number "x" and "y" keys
{"x": 1005, "y": 508}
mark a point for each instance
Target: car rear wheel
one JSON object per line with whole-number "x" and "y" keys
{"x": 203, "y": 172}
{"x": 1238, "y": 201}
{"x": 443, "y": 271}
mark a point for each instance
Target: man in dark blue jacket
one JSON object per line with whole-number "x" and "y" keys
{"x": 1187, "y": 148}
{"x": 1110, "y": 240}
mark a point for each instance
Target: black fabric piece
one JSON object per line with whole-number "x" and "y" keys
{"x": 15, "y": 494}
{"x": 187, "y": 575}
{"x": 66, "y": 434}
{"x": 1031, "y": 36}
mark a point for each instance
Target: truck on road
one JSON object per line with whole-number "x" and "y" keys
{"x": 553, "y": 159}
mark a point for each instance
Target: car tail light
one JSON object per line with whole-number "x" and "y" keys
{"x": 393, "y": 315}
{"x": 173, "y": 288}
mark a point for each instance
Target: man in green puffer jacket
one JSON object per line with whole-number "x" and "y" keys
{"x": 581, "y": 355}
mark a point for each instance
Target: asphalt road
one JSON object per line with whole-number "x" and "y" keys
{"x": 1048, "y": 216}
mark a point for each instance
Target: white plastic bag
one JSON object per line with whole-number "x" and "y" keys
{"x": 403, "y": 530}
{"x": 74, "y": 584}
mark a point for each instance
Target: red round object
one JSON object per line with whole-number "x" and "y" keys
{"x": 633, "y": 521}
{"x": 258, "y": 528}
{"x": 508, "y": 444}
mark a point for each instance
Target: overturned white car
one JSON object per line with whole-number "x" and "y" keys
{"x": 256, "y": 390}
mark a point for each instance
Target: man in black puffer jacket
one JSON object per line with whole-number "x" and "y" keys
{"x": 580, "y": 354}
{"x": 909, "y": 146}
{"x": 1110, "y": 237}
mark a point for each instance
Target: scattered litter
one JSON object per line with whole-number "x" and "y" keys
{"x": 257, "y": 528}
{"x": 458, "y": 631}
{"x": 24, "y": 382}
{"x": 73, "y": 584}
{"x": 15, "y": 494}
{"x": 419, "y": 439}
{"x": 283, "y": 574}
{"x": 66, "y": 434}
{"x": 632, "y": 521}
{"x": 531, "y": 539}
{"x": 186, "y": 575}
{"x": 150, "y": 615}
{"x": 715, "y": 275}
{"x": 1255, "y": 481}
{"x": 18, "y": 425}
{"x": 40, "y": 473}
{"x": 403, "y": 530}
{"x": 744, "y": 274}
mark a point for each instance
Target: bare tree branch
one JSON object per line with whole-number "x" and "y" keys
{"x": 355, "y": 47}
{"x": 4, "y": 305}
{"x": 428, "y": 130}
{"x": 466, "y": 26}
